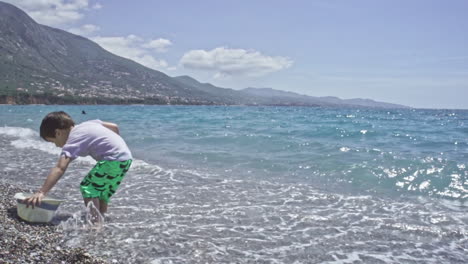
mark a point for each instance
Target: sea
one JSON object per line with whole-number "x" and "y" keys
{"x": 234, "y": 184}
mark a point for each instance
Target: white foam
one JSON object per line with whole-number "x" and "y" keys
{"x": 83, "y": 219}
{"x": 424, "y": 185}
{"x": 19, "y": 132}
{"x": 391, "y": 172}
{"x": 344, "y": 149}
{"x": 29, "y": 143}
{"x": 400, "y": 184}
{"x": 29, "y": 139}
{"x": 433, "y": 170}
{"x": 140, "y": 164}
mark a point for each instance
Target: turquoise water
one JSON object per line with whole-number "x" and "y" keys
{"x": 363, "y": 150}
{"x": 269, "y": 184}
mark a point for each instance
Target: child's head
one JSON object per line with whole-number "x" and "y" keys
{"x": 54, "y": 127}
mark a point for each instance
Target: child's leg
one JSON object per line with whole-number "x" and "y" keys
{"x": 102, "y": 207}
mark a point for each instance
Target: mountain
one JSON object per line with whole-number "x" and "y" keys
{"x": 299, "y": 99}
{"x": 229, "y": 96}
{"x": 40, "y": 64}
{"x": 50, "y": 64}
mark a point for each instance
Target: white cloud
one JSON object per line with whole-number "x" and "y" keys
{"x": 63, "y": 13}
{"x": 132, "y": 47}
{"x": 227, "y": 62}
{"x": 53, "y": 12}
{"x": 160, "y": 45}
{"x": 85, "y": 30}
{"x": 97, "y": 6}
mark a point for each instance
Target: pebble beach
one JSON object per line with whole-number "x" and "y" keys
{"x": 22, "y": 242}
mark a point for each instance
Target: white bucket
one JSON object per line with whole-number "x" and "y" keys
{"x": 42, "y": 213}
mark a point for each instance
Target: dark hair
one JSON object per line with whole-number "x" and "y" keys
{"x": 53, "y": 121}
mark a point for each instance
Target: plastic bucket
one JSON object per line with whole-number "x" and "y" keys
{"x": 42, "y": 213}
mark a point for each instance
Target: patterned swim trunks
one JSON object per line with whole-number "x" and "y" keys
{"x": 104, "y": 179}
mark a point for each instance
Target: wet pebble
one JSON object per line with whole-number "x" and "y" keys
{"x": 23, "y": 242}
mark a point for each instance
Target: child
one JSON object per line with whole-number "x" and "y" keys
{"x": 100, "y": 140}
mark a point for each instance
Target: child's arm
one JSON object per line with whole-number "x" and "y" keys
{"x": 50, "y": 181}
{"x": 111, "y": 126}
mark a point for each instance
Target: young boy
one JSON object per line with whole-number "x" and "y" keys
{"x": 100, "y": 140}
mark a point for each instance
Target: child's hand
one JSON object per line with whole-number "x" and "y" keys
{"x": 35, "y": 199}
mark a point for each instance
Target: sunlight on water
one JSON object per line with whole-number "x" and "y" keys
{"x": 264, "y": 185}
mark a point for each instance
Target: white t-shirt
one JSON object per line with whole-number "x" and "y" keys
{"x": 93, "y": 139}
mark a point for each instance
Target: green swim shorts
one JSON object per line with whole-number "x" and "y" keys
{"x": 104, "y": 179}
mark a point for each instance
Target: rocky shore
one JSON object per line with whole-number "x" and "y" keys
{"x": 22, "y": 242}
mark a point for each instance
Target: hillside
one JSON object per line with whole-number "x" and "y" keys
{"x": 43, "y": 62}
{"x": 40, "y": 64}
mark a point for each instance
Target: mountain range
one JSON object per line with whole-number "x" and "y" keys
{"x": 45, "y": 65}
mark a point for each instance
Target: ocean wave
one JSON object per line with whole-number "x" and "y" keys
{"x": 26, "y": 138}
{"x": 20, "y": 132}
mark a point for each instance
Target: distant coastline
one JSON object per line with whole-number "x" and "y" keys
{"x": 51, "y": 99}
{"x": 27, "y": 99}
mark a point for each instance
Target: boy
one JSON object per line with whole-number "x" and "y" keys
{"x": 100, "y": 140}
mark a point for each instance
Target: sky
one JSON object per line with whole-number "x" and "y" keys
{"x": 413, "y": 53}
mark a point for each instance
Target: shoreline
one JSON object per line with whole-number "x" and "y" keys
{"x": 23, "y": 242}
